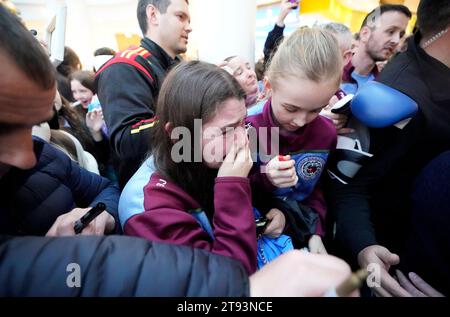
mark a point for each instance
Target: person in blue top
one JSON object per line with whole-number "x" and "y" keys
{"x": 380, "y": 34}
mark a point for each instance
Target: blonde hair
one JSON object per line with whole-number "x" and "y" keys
{"x": 310, "y": 53}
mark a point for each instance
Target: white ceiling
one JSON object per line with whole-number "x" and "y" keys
{"x": 89, "y": 2}
{"x": 41, "y": 10}
{"x": 37, "y": 9}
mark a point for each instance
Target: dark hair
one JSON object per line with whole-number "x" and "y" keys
{"x": 77, "y": 126}
{"x": 161, "y": 5}
{"x": 24, "y": 50}
{"x": 70, "y": 64}
{"x": 86, "y": 78}
{"x": 64, "y": 87}
{"x": 259, "y": 69}
{"x": 192, "y": 90}
{"x": 104, "y": 51}
{"x": 379, "y": 11}
{"x": 228, "y": 59}
{"x": 433, "y": 16}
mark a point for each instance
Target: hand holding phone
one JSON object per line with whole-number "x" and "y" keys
{"x": 343, "y": 105}
{"x": 261, "y": 224}
{"x": 95, "y": 104}
{"x": 84, "y": 221}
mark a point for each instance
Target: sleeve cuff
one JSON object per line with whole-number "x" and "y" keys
{"x": 232, "y": 179}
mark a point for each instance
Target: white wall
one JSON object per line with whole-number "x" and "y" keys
{"x": 220, "y": 27}
{"x": 91, "y": 24}
{"x": 223, "y": 28}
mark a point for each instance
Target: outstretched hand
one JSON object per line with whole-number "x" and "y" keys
{"x": 286, "y": 7}
{"x": 416, "y": 286}
{"x": 376, "y": 254}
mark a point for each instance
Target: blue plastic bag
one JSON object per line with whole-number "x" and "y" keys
{"x": 270, "y": 248}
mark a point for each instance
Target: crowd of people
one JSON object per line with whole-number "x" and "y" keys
{"x": 189, "y": 156}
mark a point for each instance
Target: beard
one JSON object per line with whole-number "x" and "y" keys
{"x": 377, "y": 54}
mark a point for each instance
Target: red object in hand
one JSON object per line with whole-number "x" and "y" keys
{"x": 282, "y": 158}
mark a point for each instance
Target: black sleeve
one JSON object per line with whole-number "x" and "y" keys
{"x": 353, "y": 204}
{"x": 114, "y": 266}
{"x": 54, "y": 121}
{"x": 273, "y": 39}
{"x": 127, "y": 99}
{"x": 350, "y": 206}
{"x": 102, "y": 151}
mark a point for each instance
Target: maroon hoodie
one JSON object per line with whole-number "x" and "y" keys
{"x": 171, "y": 216}
{"x": 309, "y": 146}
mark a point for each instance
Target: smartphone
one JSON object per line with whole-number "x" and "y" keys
{"x": 92, "y": 213}
{"x": 261, "y": 223}
{"x": 95, "y": 104}
{"x": 343, "y": 105}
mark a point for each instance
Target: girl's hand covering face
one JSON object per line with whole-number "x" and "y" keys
{"x": 238, "y": 161}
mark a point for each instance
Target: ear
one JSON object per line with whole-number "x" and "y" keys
{"x": 365, "y": 34}
{"x": 267, "y": 85}
{"x": 168, "y": 127}
{"x": 347, "y": 56}
{"x": 152, "y": 15}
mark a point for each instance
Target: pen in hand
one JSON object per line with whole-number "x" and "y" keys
{"x": 84, "y": 221}
{"x": 351, "y": 284}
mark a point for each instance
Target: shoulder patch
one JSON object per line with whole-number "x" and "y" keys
{"x": 130, "y": 56}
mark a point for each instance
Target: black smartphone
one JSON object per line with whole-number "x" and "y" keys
{"x": 343, "y": 105}
{"x": 261, "y": 223}
{"x": 92, "y": 213}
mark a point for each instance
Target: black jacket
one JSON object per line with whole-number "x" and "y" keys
{"x": 273, "y": 40}
{"x": 114, "y": 266}
{"x": 31, "y": 200}
{"x": 427, "y": 250}
{"x": 128, "y": 96}
{"x": 375, "y": 207}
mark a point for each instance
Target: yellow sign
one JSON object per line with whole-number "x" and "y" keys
{"x": 349, "y": 12}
